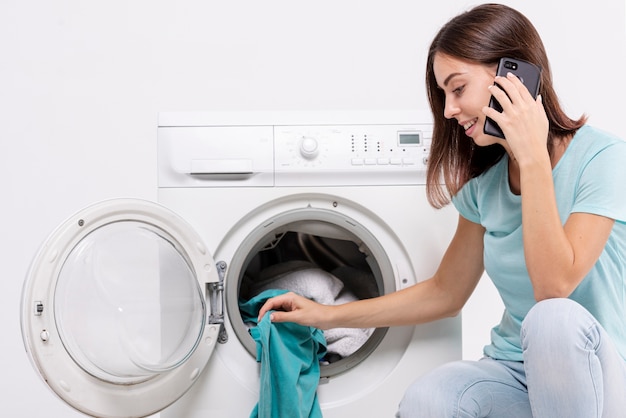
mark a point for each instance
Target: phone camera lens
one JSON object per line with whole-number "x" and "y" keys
{"x": 510, "y": 65}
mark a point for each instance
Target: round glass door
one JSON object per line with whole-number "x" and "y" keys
{"x": 114, "y": 313}
{"x": 120, "y": 290}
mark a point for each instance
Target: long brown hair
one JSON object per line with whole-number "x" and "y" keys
{"x": 482, "y": 35}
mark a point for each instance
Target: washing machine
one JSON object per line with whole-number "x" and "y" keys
{"x": 131, "y": 307}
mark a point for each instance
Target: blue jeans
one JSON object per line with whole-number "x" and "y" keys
{"x": 571, "y": 369}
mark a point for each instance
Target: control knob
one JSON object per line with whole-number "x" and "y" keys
{"x": 309, "y": 148}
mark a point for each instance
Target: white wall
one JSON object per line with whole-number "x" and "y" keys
{"x": 81, "y": 83}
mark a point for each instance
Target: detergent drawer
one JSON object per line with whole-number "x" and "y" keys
{"x": 215, "y": 156}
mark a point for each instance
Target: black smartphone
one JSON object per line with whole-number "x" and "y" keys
{"x": 530, "y": 76}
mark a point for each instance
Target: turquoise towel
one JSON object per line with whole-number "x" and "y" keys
{"x": 290, "y": 370}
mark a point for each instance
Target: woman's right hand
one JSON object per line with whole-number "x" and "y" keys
{"x": 290, "y": 307}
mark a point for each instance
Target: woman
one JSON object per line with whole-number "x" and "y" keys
{"x": 542, "y": 211}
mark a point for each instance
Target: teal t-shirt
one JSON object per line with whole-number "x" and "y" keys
{"x": 589, "y": 178}
{"x": 290, "y": 356}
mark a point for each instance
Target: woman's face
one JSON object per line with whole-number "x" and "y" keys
{"x": 465, "y": 86}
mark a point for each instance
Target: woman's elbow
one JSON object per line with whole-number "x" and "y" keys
{"x": 552, "y": 292}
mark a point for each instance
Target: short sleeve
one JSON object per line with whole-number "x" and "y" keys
{"x": 466, "y": 201}
{"x": 601, "y": 186}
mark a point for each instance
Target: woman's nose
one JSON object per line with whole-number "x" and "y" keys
{"x": 450, "y": 109}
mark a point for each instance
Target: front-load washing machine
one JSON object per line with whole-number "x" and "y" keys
{"x": 132, "y": 307}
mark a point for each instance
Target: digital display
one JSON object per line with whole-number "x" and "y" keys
{"x": 409, "y": 138}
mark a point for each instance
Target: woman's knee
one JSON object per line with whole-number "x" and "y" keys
{"x": 556, "y": 322}
{"x": 556, "y": 308}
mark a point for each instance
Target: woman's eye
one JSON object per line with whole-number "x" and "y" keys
{"x": 458, "y": 90}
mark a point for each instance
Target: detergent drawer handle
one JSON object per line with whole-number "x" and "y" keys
{"x": 220, "y": 167}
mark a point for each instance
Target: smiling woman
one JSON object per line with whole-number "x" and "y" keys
{"x": 553, "y": 227}
{"x": 468, "y": 48}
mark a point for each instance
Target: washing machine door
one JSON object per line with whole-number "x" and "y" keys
{"x": 114, "y": 309}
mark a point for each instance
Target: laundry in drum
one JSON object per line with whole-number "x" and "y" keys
{"x": 323, "y": 287}
{"x": 326, "y": 270}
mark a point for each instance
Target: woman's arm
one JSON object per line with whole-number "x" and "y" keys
{"x": 441, "y": 296}
{"x": 557, "y": 256}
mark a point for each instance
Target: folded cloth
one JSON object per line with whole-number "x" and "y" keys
{"x": 290, "y": 370}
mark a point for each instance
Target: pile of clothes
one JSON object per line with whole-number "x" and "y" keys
{"x": 323, "y": 287}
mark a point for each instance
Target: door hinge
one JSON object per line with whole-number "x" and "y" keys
{"x": 216, "y": 299}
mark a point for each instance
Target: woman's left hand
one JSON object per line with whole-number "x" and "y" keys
{"x": 523, "y": 119}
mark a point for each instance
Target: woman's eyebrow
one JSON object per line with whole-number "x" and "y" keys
{"x": 450, "y": 77}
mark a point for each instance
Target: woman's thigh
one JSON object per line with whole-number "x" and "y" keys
{"x": 463, "y": 389}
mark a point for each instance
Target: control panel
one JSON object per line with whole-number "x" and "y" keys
{"x": 360, "y": 154}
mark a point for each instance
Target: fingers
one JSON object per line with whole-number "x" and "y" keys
{"x": 281, "y": 316}
{"x": 512, "y": 90}
{"x": 267, "y": 306}
{"x": 282, "y": 302}
{"x": 515, "y": 100}
{"x": 505, "y": 105}
{"x": 290, "y": 307}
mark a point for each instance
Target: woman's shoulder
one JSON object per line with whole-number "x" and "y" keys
{"x": 589, "y": 142}
{"x": 590, "y": 136}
